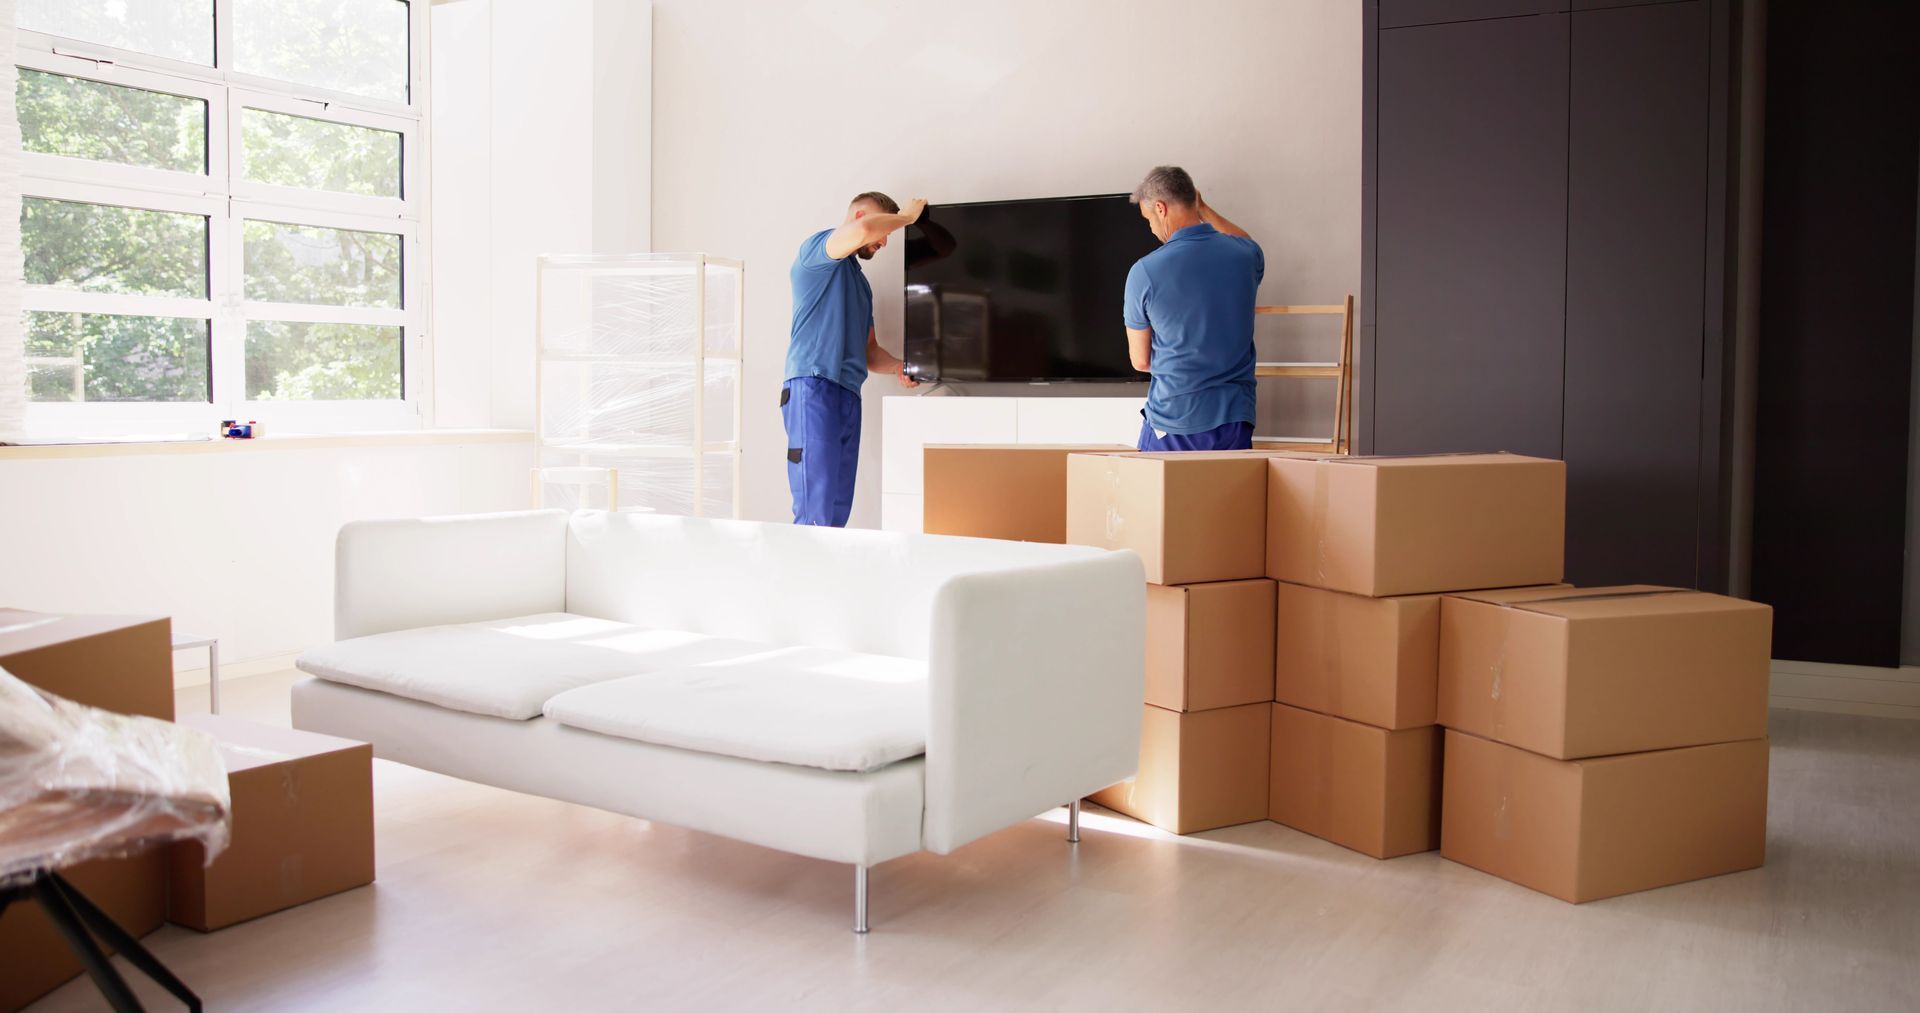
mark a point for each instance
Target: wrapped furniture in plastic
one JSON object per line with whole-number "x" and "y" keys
{"x": 77, "y": 784}
{"x": 639, "y": 375}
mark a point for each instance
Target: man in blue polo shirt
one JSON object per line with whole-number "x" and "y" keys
{"x": 830, "y": 351}
{"x": 1189, "y": 317}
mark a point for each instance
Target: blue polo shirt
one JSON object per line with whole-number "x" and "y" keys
{"x": 832, "y": 315}
{"x": 1197, "y": 293}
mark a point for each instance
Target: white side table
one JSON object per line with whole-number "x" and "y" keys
{"x": 184, "y": 641}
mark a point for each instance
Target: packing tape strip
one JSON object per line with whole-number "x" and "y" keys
{"x": 1334, "y": 670}
{"x": 1322, "y": 494}
{"x": 1116, "y": 524}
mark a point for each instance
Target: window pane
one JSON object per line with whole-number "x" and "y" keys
{"x": 318, "y": 155}
{"x": 322, "y": 362}
{"x": 354, "y": 46}
{"x": 329, "y": 267}
{"x": 107, "y": 357}
{"x": 176, "y": 29}
{"x": 102, "y": 248}
{"x": 71, "y": 116}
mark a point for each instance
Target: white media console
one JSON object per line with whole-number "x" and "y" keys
{"x": 909, "y": 423}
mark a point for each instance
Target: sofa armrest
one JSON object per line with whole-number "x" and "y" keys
{"x": 401, "y": 574}
{"x": 1036, "y": 676}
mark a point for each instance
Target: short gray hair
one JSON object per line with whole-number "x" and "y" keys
{"x": 1168, "y": 183}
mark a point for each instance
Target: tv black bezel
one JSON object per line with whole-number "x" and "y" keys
{"x": 1119, "y": 329}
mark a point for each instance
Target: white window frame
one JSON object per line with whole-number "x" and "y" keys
{"x": 227, "y": 199}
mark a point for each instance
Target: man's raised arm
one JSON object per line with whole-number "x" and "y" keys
{"x": 1218, "y": 220}
{"x": 868, "y": 229}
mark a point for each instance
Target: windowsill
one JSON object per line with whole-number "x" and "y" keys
{"x": 289, "y": 441}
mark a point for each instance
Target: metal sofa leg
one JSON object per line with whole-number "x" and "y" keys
{"x": 1073, "y": 822}
{"x": 860, "y": 900}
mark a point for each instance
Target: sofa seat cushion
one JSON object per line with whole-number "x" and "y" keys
{"x": 809, "y": 706}
{"x": 508, "y": 668}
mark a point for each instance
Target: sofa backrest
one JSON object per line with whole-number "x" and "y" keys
{"x": 867, "y": 591}
{"x": 399, "y": 574}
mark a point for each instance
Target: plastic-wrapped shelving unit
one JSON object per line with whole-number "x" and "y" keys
{"x": 637, "y": 371}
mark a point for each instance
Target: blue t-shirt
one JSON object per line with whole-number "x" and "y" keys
{"x": 1197, "y": 293}
{"x": 832, "y": 315}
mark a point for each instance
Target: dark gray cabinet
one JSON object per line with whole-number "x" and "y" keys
{"x": 1636, "y": 269}
{"x": 1540, "y": 264}
{"x": 1402, "y": 13}
{"x": 1471, "y": 242}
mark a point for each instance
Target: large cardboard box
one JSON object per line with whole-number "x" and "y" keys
{"x": 1198, "y": 771}
{"x": 117, "y": 663}
{"x": 1210, "y": 645}
{"x": 302, "y": 825}
{"x": 1012, "y": 491}
{"x": 1193, "y": 517}
{"x": 1373, "y": 660}
{"x": 122, "y": 664}
{"x": 1370, "y": 789}
{"x": 1581, "y": 830}
{"x": 1384, "y": 526}
{"x": 1594, "y": 671}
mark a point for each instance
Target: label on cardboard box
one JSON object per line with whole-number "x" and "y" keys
{"x": 1570, "y": 673}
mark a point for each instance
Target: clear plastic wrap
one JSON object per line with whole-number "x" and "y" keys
{"x": 78, "y": 783}
{"x": 640, "y": 371}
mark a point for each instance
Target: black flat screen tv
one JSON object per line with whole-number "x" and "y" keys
{"x": 1022, "y": 291}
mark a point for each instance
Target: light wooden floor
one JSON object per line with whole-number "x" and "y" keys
{"x": 491, "y": 900}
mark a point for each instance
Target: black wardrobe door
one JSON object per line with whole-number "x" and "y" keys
{"x": 1471, "y": 237}
{"x": 1836, "y": 326}
{"x": 1636, "y": 263}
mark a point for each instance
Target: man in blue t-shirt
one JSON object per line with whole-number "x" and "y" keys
{"x": 829, "y": 353}
{"x": 1189, "y": 317}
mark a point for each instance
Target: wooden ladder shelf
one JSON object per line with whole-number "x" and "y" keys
{"x": 1341, "y": 371}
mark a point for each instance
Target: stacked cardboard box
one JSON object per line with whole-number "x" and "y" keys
{"x": 1198, "y": 522}
{"x": 1604, "y": 740}
{"x": 302, "y": 825}
{"x": 117, "y": 663}
{"x": 1013, "y": 491}
{"x": 1361, "y": 548}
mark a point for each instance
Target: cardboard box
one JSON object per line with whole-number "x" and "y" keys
{"x": 1198, "y": 771}
{"x": 302, "y": 825}
{"x": 1373, "y": 660}
{"x": 122, "y": 664}
{"x": 1595, "y": 671}
{"x": 1012, "y": 491}
{"x": 1210, "y": 645}
{"x": 117, "y": 663}
{"x": 1581, "y": 830}
{"x": 34, "y": 957}
{"x": 1370, "y": 789}
{"x": 1383, "y": 526}
{"x": 1193, "y": 517}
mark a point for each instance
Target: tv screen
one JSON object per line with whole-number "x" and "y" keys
{"x": 1026, "y": 290}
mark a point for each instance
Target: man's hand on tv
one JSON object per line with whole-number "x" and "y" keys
{"x": 913, "y": 208}
{"x": 906, "y": 379}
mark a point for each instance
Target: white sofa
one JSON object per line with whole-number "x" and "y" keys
{"x": 853, "y": 696}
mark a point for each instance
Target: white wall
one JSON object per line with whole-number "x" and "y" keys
{"x": 231, "y": 541}
{"x": 541, "y": 145}
{"x": 768, "y": 115}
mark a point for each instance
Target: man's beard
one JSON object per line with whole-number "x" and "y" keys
{"x": 867, "y": 252}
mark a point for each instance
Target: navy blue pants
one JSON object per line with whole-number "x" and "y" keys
{"x": 823, "y": 448}
{"x": 1231, "y": 436}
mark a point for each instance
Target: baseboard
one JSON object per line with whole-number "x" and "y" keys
{"x": 1846, "y": 689}
{"x": 184, "y": 677}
